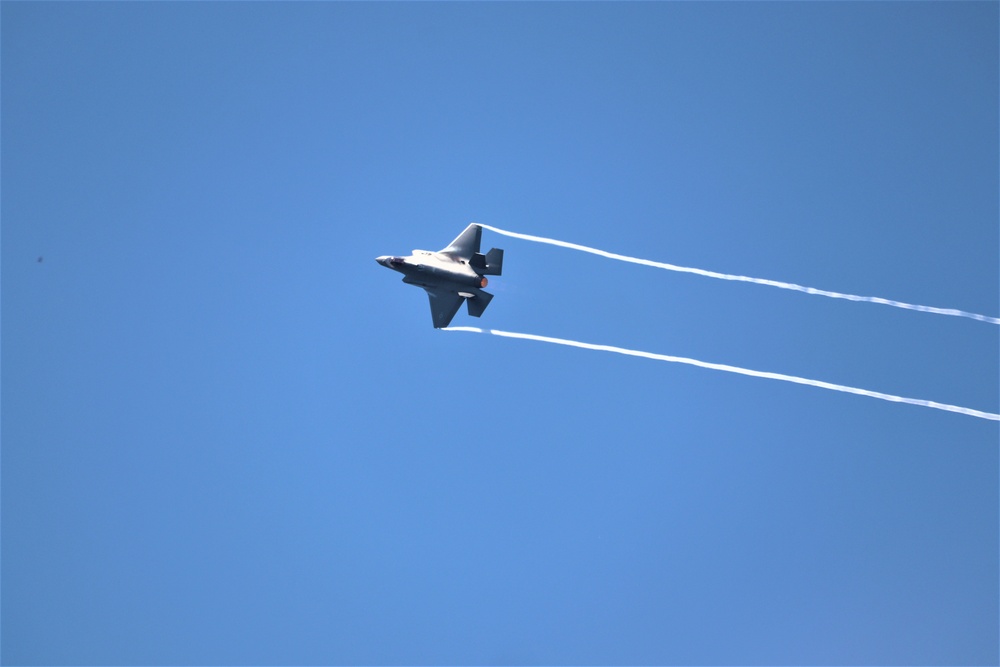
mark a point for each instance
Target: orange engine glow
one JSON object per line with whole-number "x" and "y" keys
{"x": 484, "y": 282}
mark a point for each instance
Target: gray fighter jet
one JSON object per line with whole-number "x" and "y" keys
{"x": 451, "y": 275}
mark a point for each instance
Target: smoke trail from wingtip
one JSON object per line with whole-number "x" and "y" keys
{"x": 736, "y": 369}
{"x": 745, "y": 279}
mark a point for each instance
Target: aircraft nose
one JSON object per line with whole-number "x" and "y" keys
{"x": 381, "y": 260}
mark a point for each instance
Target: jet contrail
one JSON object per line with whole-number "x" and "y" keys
{"x": 738, "y": 370}
{"x": 745, "y": 279}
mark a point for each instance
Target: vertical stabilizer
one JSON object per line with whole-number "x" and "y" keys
{"x": 494, "y": 262}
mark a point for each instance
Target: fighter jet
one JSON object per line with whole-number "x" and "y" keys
{"x": 451, "y": 275}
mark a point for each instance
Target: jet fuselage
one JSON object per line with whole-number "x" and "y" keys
{"x": 433, "y": 269}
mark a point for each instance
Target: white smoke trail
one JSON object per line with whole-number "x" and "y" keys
{"x": 736, "y": 369}
{"x": 745, "y": 279}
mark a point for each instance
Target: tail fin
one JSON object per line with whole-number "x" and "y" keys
{"x": 477, "y": 304}
{"x": 494, "y": 262}
{"x": 490, "y": 264}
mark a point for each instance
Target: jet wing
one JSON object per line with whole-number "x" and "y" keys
{"x": 444, "y": 305}
{"x": 466, "y": 244}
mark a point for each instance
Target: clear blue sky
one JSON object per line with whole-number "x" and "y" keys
{"x": 229, "y": 436}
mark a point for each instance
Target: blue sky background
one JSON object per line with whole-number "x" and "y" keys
{"x": 230, "y": 437}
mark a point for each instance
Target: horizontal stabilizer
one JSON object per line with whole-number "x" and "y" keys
{"x": 477, "y": 304}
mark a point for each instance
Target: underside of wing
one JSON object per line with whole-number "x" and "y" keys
{"x": 444, "y": 305}
{"x": 465, "y": 244}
